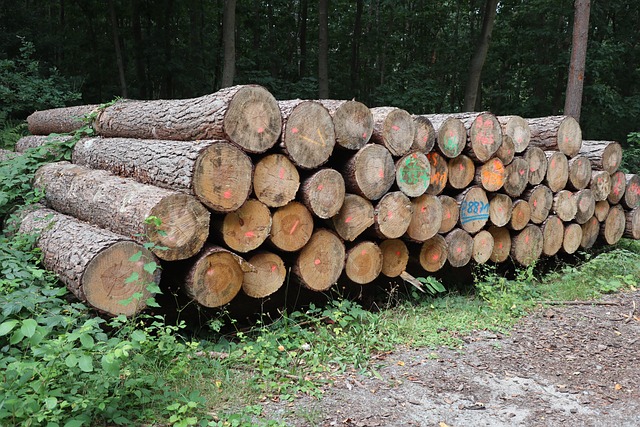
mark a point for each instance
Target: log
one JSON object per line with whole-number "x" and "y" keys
{"x": 269, "y": 275}
{"x": 352, "y": 121}
{"x": 439, "y": 173}
{"x": 323, "y": 193}
{"x": 604, "y": 155}
{"x": 275, "y": 180}
{"x": 482, "y": 246}
{"x": 632, "y": 224}
{"x": 59, "y": 120}
{"x": 392, "y": 215}
{"x": 585, "y": 205}
{"x": 484, "y": 134}
{"x": 552, "y": 235}
{"x": 491, "y": 175}
{"x": 123, "y": 206}
{"x": 433, "y": 253}
{"x": 540, "y": 200}
{"x": 246, "y": 115}
{"x": 425, "y": 136}
{"x": 246, "y": 228}
{"x": 393, "y": 128}
{"x": 291, "y": 227}
{"x": 631, "y": 198}
{"x": 451, "y": 135}
{"x": 520, "y": 215}
{"x": 214, "y": 278}
{"x": 590, "y": 232}
{"x": 579, "y": 172}
{"x": 217, "y": 172}
{"x": 308, "y": 135}
{"x": 565, "y": 205}
{"x": 413, "y": 173}
{"x": 601, "y": 210}
{"x": 321, "y": 261}
{"x": 507, "y": 150}
{"x": 461, "y": 172}
{"x": 7, "y": 155}
{"x": 474, "y": 209}
{"x": 370, "y": 172}
{"x": 450, "y": 213}
{"x": 572, "y": 238}
{"x": 426, "y": 218}
{"x": 459, "y": 247}
{"x": 395, "y": 257}
{"x": 618, "y": 187}
{"x": 557, "y": 171}
{"x": 54, "y": 143}
{"x": 613, "y": 227}
{"x": 600, "y": 185}
{"x": 363, "y": 262}
{"x": 500, "y": 209}
{"x": 93, "y": 263}
{"x": 516, "y": 177}
{"x": 559, "y": 133}
{"x": 501, "y": 243}
{"x": 354, "y": 217}
{"x": 518, "y": 129}
{"x": 526, "y": 246}
{"x": 538, "y": 164}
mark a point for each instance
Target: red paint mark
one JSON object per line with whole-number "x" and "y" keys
{"x": 389, "y": 214}
{"x": 448, "y": 215}
{"x": 317, "y": 262}
{"x": 364, "y": 134}
{"x": 381, "y": 173}
{"x": 210, "y": 272}
{"x": 424, "y": 139}
{"x": 459, "y": 250}
{"x": 499, "y": 245}
{"x": 526, "y": 238}
{"x": 294, "y": 130}
{"x": 363, "y": 252}
{"x": 348, "y": 220}
{"x": 394, "y": 127}
{"x": 553, "y": 163}
{"x": 500, "y": 209}
{"x": 535, "y": 203}
{"x": 260, "y": 130}
{"x": 397, "y": 253}
{"x": 461, "y": 167}
{"x": 532, "y": 169}
{"x": 227, "y": 194}
{"x": 273, "y": 268}
{"x": 320, "y": 187}
{"x": 281, "y": 173}
{"x": 423, "y": 209}
{"x": 249, "y": 234}
{"x": 295, "y": 225}
{"x": 435, "y": 257}
{"x": 521, "y": 171}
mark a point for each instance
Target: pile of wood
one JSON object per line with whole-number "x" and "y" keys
{"x": 234, "y": 191}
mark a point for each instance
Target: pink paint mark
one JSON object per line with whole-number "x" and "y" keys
{"x": 348, "y": 220}
{"x": 532, "y": 169}
{"x": 381, "y": 173}
{"x": 500, "y": 209}
{"x": 227, "y": 194}
{"x": 273, "y": 268}
{"x": 363, "y": 252}
{"x": 435, "y": 257}
{"x": 364, "y": 134}
{"x": 389, "y": 214}
{"x": 317, "y": 262}
{"x": 249, "y": 234}
{"x": 423, "y": 209}
{"x": 521, "y": 171}
{"x": 526, "y": 238}
{"x": 281, "y": 173}
{"x": 210, "y": 272}
{"x": 448, "y": 215}
{"x": 461, "y": 167}
{"x": 459, "y": 250}
{"x": 320, "y": 187}
{"x": 499, "y": 245}
{"x": 294, "y": 130}
{"x": 535, "y": 203}
{"x": 553, "y": 163}
{"x": 424, "y": 139}
{"x": 295, "y": 225}
{"x": 394, "y": 127}
{"x": 260, "y": 130}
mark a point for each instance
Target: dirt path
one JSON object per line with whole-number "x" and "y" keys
{"x": 576, "y": 365}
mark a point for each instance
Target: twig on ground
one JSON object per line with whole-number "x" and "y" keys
{"x": 631, "y": 313}
{"x": 578, "y": 302}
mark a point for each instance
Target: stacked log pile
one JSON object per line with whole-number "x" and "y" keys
{"x": 244, "y": 191}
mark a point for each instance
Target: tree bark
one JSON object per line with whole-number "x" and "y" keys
{"x": 323, "y": 49}
{"x": 353, "y": 122}
{"x": 59, "y": 120}
{"x": 632, "y": 224}
{"x": 302, "y": 39}
{"x": 229, "y": 42}
{"x": 560, "y": 133}
{"x": 573, "y": 100}
{"x": 363, "y": 262}
{"x": 355, "y": 49}
{"x": 323, "y": 193}
{"x": 275, "y": 180}
{"x": 321, "y": 261}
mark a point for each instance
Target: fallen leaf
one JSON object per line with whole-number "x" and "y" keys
{"x": 443, "y": 424}
{"x": 617, "y": 387}
{"x": 400, "y": 363}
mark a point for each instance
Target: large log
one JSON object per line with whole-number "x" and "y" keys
{"x": 363, "y": 262}
{"x": 217, "y": 172}
{"x": 540, "y": 200}
{"x": 516, "y": 177}
{"x": 95, "y": 264}
{"x": 426, "y": 218}
{"x": 501, "y": 243}
{"x": 269, "y": 275}
{"x": 308, "y": 135}
{"x": 245, "y": 115}
{"x": 450, "y": 213}
{"x": 291, "y": 227}
{"x": 632, "y": 224}
{"x": 557, "y": 171}
{"x": 395, "y": 256}
{"x": 618, "y": 187}
{"x": 590, "y": 232}
{"x": 370, "y": 172}
{"x": 579, "y": 172}
{"x": 585, "y": 205}
{"x": 59, "y": 120}
{"x": 482, "y": 246}
{"x": 572, "y": 238}
{"x": 491, "y": 175}
{"x": 474, "y": 209}
{"x": 7, "y": 155}
{"x": 55, "y": 144}
{"x": 613, "y": 227}
{"x": 354, "y": 217}
{"x": 321, "y": 261}
{"x": 552, "y": 235}
{"x": 392, "y": 215}
{"x": 352, "y": 120}
{"x": 500, "y": 209}
{"x": 520, "y": 214}
{"x": 246, "y": 228}
{"x": 323, "y": 193}
{"x": 459, "y": 247}
{"x": 123, "y": 206}
{"x": 425, "y": 137}
{"x": 538, "y": 164}
{"x": 393, "y": 128}
{"x": 451, "y": 135}
{"x": 518, "y": 129}
{"x": 526, "y": 246}
{"x": 565, "y": 205}
{"x": 461, "y": 171}
{"x": 433, "y": 253}
{"x": 631, "y": 198}
{"x": 600, "y": 185}
{"x": 413, "y": 174}
{"x": 507, "y": 150}
{"x": 604, "y": 155}
{"x": 439, "y": 173}
{"x": 484, "y": 134}
{"x": 560, "y": 133}
{"x": 275, "y": 180}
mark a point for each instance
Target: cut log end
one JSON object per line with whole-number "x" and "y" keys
{"x": 474, "y": 209}
{"x": 392, "y": 215}
{"x": 632, "y": 224}
{"x": 552, "y": 235}
{"x": 323, "y": 193}
{"x": 500, "y": 208}
{"x": 291, "y": 228}
{"x": 520, "y": 215}
{"x": 395, "y": 256}
{"x": 518, "y": 129}
{"x": 275, "y": 180}
{"x": 425, "y": 136}
{"x": 321, "y": 261}
{"x": 618, "y": 187}
{"x": 439, "y": 173}
{"x": 363, "y": 263}
{"x": 572, "y": 238}
{"x": 537, "y": 161}
{"x": 526, "y": 246}
{"x": 585, "y": 205}
{"x": 426, "y": 218}
{"x": 491, "y": 175}
{"x": 461, "y": 171}
{"x": 631, "y": 199}
{"x": 370, "y": 172}
{"x": 590, "y": 232}
{"x": 614, "y": 225}
{"x": 354, "y": 217}
{"x": 459, "y": 247}
{"x": 485, "y": 136}
{"x": 248, "y": 227}
{"x": 394, "y": 128}
{"x": 215, "y": 278}
{"x": 452, "y": 137}
{"x": 482, "y": 246}
{"x": 501, "y": 244}
{"x": 353, "y": 123}
{"x": 413, "y": 174}
{"x": 450, "y": 213}
{"x": 269, "y": 275}
{"x": 433, "y": 253}
{"x": 516, "y": 177}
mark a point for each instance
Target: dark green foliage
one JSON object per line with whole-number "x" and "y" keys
{"x": 631, "y": 153}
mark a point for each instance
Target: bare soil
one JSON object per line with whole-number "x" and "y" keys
{"x": 568, "y": 365}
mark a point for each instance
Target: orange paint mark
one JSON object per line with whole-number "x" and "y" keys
{"x": 227, "y": 194}
{"x": 249, "y": 234}
{"x": 348, "y": 220}
{"x": 435, "y": 257}
{"x": 317, "y": 262}
{"x": 273, "y": 268}
{"x": 260, "y": 130}
{"x": 295, "y": 225}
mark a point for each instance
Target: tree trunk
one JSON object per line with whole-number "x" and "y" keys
{"x": 123, "y": 206}
{"x": 246, "y": 228}
{"x": 518, "y": 129}
{"x": 618, "y": 187}
{"x": 433, "y": 253}
{"x": 557, "y": 171}
{"x": 363, "y": 262}
{"x": 352, "y": 121}
{"x": 354, "y": 217}
{"x": 275, "y": 180}
{"x": 308, "y": 134}
{"x": 552, "y": 235}
{"x": 118, "y": 50}
{"x": 474, "y": 209}
{"x": 323, "y": 193}
{"x": 538, "y": 164}
{"x": 321, "y": 261}
{"x": 579, "y": 172}
{"x": 540, "y": 200}
{"x": 604, "y": 155}
{"x": 479, "y": 56}
{"x": 370, "y": 172}
{"x": 245, "y": 115}
{"x": 500, "y": 208}
{"x": 482, "y": 247}
{"x": 560, "y": 133}
{"x": 229, "y": 42}
{"x": 451, "y": 135}
{"x": 631, "y": 198}
{"x": 516, "y": 177}
{"x": 462, "y": 170}
{"x": 459, "y": 247}
{"x": 590, "y": 232}
{"x": 573, "y": 100}
{"x": 323, "y": 49}
{"x": 520, "y": 215}
{"x": 394, "y": 128}
{"x": 526, "y": 246}
{"x": 491, "y": 175}
{"x": 565, "y": 205}
{"x": 395, "y": 257}
{"x": 291, "y": 227}
{"x": 217, "y": 172}
{"x": 600, "y": 185}
{"x": 450, "y": 214}
{"x": 392, "y": 215}
{"x": 586, "y": 205}
{"x": 613, "y": 227}
{"x": 355, "y": 49}
{"x": 59, "y": 120}
{"x": 413, "y": 174}
{"x": 302, "y": 39}
{"x": 501, "y": 243}
{"x": 426, "y": 218}
{"x": 425, "y": 137}
{"x": 572, "y": 238}
{"x": 93, "y": 263}
{"x": 439, "y": 173}
{"x": 632, "y": 224}
{"x": 269, "y": 275}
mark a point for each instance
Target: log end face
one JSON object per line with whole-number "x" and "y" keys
{"x": 485, "y": 136}
{"x": 413, "y": 174}
{"x": 363, "y": 263}
{"x": 452, "y": 137}
{"x": 309, "y": 135}
{"x": 433, "y": 254}
{"x": 269, "y": 275}
{"x": 353, "y": 124}
{"x": 569, "y": 137}
{"x": 321, "y": 261}
{"x": 395, "y": 256}
{"x": 217, "y": 279}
